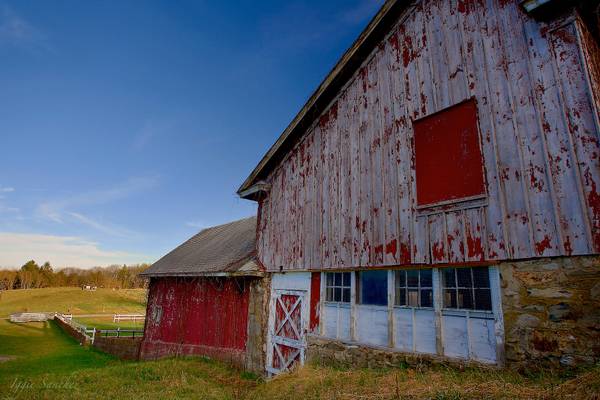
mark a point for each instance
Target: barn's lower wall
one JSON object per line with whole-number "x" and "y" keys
{"x": 551, "y": 314}
{"x": 220, "y": 318}
{"x": 551, "y": 311}
{"x": 123, "y": 347}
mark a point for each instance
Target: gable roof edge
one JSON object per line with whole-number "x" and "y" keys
{"x": 343, "y": 70}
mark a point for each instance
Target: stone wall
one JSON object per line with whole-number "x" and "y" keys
{"x": 69, "y": 330}
{"x": 257, "y": 324}
{"x": 123, "y": 347}
{"x": 551, "y": 311}
{"x": 325, "y": 351}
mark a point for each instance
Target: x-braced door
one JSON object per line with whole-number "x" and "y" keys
{"x": 287, "y": 341}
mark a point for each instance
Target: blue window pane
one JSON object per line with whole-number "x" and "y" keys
{"x": 347, "y": 279}
{"x": 373, "y": 288}
{"x": 426, "y": 280}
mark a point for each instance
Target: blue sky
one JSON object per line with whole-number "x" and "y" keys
{"x": 127, "y": 126}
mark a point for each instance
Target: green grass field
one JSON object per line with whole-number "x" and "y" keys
{"x": 73, "y": 300}
{"x": 38, "y": 361}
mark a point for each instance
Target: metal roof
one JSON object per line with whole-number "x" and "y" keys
{"x": 228, "y": 249}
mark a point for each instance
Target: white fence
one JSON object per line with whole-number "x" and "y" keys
{"x": 128, "y": 317}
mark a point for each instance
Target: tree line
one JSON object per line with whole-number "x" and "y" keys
{"x": 31, "y": 276}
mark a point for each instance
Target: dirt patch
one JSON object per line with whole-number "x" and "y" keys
{"x": 6, "y": 358}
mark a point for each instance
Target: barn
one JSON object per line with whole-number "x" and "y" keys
{"x": 208, "y": 297}
{"x": 437, "y": 197}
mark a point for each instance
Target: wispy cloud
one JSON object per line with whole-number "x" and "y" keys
{"x": 17, "y": 31}
{"x": 61, "y": 251}
{"x": 6, "y": 189}
{"x": 67, "y": 209}
{"x": 5, "y": 209}
{"x": 105, "y": 228}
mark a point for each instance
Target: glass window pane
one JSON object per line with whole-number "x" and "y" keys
{"x": 450, "y": 298}
{"x": 338, "y": 279}
{"x": 347, "y": 279}
{"x": 346, "y": 295}
{"x": 337, "y": 294}
{"x": 449, "y": 280}
{"x": 412, "y": 278}
{"x": 413, "y": 297}
{"x": 463, "y": 276}
{"x": 481, "y": 277}
{"x": 426, "y": 278}
{"x": 401, "y": 278}
{"x": 373, "y": 287}
{"x": 329, "y": 295}
{"x": 329, "y": 279}
{"x": 483, "y": 299}
{"x": 400, "y": 297}
{"x": 465, "y": 299}
{"x": 426, "y": 298}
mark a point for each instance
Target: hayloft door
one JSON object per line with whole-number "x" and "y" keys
{"x": 287, "y": 342}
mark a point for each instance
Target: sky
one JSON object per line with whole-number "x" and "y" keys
{"x": 127, "y": 126}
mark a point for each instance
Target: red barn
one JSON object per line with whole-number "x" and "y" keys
{"x": 438, "y": 196}
{"x": 207, "y": 297}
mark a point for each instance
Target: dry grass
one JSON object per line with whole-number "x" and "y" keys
{"x": 436, "y": 383}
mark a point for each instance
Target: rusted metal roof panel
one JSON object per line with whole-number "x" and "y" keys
{"x": 345, "y": 195}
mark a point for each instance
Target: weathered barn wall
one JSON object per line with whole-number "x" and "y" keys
{"x": 552, "y": 311}
{"x": 200, "y": 316}
{"x": 346, "y": 195}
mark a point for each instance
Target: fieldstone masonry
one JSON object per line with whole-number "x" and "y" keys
{"x": 551, "y": 311}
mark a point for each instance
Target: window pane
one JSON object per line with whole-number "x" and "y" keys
{"x": 413, "y": 297}
{"x": 483, "y": 299}
{"x": 329, "y": 279}
{"x": 426, "y": 278}
{"x": 449, "y": 280}
{"x": 401, "y": 297}
{"x": 401, "y": 278}
{"x": 373, "y": 287}
{"x": 426, "y": 298}
{"x": 346, "y": 295}
{"x": 338, "y": 279}
{"x": 347, "y": 279}
{"x": 337, "y": 294}
{"x": 481, "y": 277}
{"x": 412, "y": 278}
{"x": 464, "y": 277}
{"x": 450, "y": 298}
{"x": 465, "y": 298}
{"x": 329, "y": 295}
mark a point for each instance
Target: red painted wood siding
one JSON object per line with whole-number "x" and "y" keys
{"x": 315, "y": 298}
{"x": 345, "y": 196}
{"x": 197, "y": 312}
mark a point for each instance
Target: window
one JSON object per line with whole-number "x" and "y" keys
{"x": 413, "y": 288}
{"x": 467, "y": 288}
{"x": 372, "y": 288}
{"x": 337, "y": 287}
{"x": 449, "y": 165}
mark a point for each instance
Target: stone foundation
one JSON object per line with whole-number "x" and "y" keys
{"x": 551, "y": 312}
{"x": 124, "y": 348}
{"x": 257, "y": 325}
{"x": 325, "y": 351}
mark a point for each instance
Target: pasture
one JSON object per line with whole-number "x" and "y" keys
{"x": 38, "y": 361}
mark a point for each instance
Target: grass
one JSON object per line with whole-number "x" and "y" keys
{"x": 48, "y": 364}
{"x": 73, "y": 300}
{"x": 107, "y": 323}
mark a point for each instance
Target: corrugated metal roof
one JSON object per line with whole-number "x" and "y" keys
{"x": 228, "y": 248}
